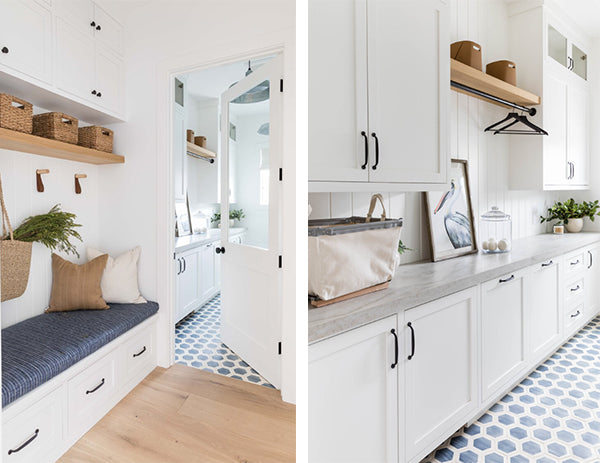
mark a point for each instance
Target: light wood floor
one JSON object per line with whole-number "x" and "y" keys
{"x": 187, "y": 415}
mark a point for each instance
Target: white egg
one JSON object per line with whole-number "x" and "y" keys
{"x": 503, "y": 244}
{"x": 492, "y": 245}
{"x": 484, "y": 245}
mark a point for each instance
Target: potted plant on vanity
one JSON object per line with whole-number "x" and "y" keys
{"x": 571, "y": 214}
{"x": 235, "y": 214}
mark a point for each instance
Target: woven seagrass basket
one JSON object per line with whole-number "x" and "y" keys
{"x": 96, "y": 137}
{"x": 15, "y": 114}
{"x": 15, "y": 259}
{"x": 57, "y": 126}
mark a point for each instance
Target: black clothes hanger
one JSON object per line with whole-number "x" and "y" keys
{"x": 514, "y": 119}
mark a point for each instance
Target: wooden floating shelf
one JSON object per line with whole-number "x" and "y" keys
{"x": 471, "y": 77}
{"x": 27, "y": 143}
{"x": 199, "y": 151}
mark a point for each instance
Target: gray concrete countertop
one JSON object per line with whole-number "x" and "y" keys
{"x": 419, "y": 283}
{"x": 183, "y": 243}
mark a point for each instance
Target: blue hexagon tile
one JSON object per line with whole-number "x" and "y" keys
{"x": 552, "y": 416}
{"x": 198, "y": 344}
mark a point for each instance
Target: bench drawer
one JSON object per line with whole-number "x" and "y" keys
{"x": 36, "y": 434}
{"x": 90, "y": 393}
{"x": 139, "y": 353}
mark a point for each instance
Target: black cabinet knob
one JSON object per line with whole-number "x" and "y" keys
{"x": 98, "y": 28}
{"x": 4, "y": 50}
{"x": 99, "y": 95}
{"x": 93, "y": 92}
{"x": 220, "y": 250}
{"x": 93, "y": 24}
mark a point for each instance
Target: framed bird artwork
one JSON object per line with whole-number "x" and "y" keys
{"x": 450, "y": 216}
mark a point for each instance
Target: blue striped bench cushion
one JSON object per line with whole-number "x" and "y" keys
{"x": 39, "y": 348}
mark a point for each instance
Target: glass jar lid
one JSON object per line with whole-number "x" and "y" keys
{"x": 495, "y": 215}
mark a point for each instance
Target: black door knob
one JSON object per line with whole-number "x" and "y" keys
{"x": 4, "y": 50}
{"x": 93, "y": 24}
{"x": 98, "y": 28}
{"x": 220, "y": 250}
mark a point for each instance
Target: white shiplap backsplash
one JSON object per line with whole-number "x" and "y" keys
{"x": 485, "y": 22}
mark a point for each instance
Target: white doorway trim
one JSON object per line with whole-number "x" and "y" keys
{"x": 265, "y": 45}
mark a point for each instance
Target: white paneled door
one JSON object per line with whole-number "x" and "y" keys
{"x": 251, "y": 280}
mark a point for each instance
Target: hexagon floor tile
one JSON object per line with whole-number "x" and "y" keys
{"x": 552, "y": 416}
{"x": 198, "y": 344}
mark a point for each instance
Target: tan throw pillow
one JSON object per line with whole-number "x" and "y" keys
{"x": 75, "y": 286}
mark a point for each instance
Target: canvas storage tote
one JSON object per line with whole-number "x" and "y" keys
{"x": 350, "y": 254}
{"x": 15, "y": 259}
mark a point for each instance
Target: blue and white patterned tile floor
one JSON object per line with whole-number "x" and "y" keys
{"x": 198, "y": 344}
{"x": 551, "y": 416}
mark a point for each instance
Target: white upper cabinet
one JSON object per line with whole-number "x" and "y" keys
{"x": 26, "y": 38}
{"x": 554, "y": 65}
{"x": 378, "y": 94}
{"x": 70, "y": 50}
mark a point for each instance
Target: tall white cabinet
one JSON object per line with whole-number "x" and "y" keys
{"x": 378, "y": 94}
{"x": 554, "y": 64}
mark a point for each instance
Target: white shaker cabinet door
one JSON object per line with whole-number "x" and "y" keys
{"x": 353, "y": 390}
{"x": 109, "y": 80}
{"x": 25, "y": 38}
{"x": 108, "y": 32}
{"x": 337, "y": 91}
{"x": 556, "y": 168}
{"x": 72, "y": 46}
{"x": 502, "y": 333}
{"x": 440, "y": 370}
{"x": 578, "y": 133}
{"x": 542, "y": 292}
{"x": 409, "y": 71}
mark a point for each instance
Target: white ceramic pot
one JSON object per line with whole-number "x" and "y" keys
{"x": 574, "y": 225}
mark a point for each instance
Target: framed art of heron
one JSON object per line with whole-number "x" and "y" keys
{"x": 450, "y": 216}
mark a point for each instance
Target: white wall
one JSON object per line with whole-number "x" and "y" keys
{"x": 23, "y": 200}
{"x": 162, "y": 38}
{"x": 484, "y": 22}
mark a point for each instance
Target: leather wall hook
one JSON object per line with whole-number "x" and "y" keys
{"x": 77, "y": 184}
{"x": 38, "y": 179}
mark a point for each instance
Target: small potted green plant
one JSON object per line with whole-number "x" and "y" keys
{"x": 571, "y": 213}
{"x": 235, "y": 214}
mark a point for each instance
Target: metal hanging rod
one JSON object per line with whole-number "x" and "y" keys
{"x": 194, "y": 155}
{"x": 487, "y": 96}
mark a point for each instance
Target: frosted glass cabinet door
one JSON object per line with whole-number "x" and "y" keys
{"x": 337, "y": 90}
{"x": 353, "y": 390}
{"x": 409, "y": 71}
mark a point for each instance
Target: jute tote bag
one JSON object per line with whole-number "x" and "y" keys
{"x": 15, "y": 259}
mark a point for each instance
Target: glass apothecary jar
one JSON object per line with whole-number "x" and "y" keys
{"x": 495, "y": 231}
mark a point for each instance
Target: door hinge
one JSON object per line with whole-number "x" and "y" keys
{"x": 279, "y": 347}
{"x": 281, "y": 85}
{"x": 280, "y": 261}
{"x": 281, "y": 174}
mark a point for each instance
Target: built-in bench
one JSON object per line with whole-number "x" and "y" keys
{"x": 61, "y": 372}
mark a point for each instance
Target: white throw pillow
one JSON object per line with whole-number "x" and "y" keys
{"x": 120, "y": 279}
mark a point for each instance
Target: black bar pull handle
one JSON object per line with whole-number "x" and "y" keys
{"x": 393, "y": 331}
{"x": 364, "y": 134}
{"x": 505, "y": 280}
{"x": 575, "y": 262}
{"x": 547, "y": 264}
{"x": 26, "y": 443}
{"x": 96, "y": 388}
{"x": 374, "y": 135}
{"x": 576, "y": 288}
{"x": 184, "y": 264}
{"x": 591, "y": 259}
{"x": 576, "y": 314}
{"x": 140, "y": 352}
{"x": 412, "y": 341}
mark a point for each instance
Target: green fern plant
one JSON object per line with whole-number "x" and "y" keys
{"x": 54, "y": 230}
